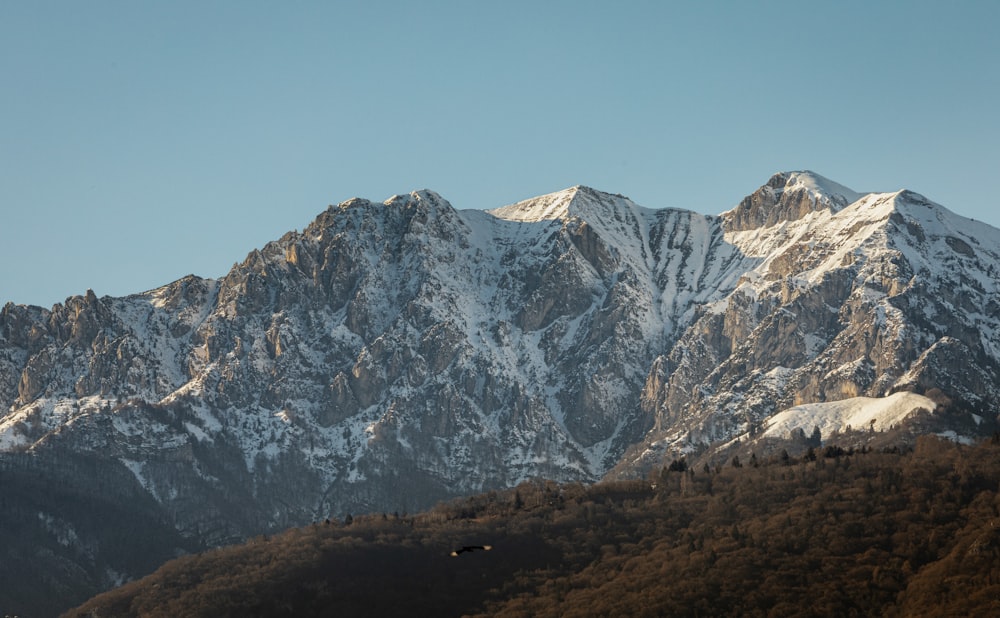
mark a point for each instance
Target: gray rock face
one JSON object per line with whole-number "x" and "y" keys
{"x": 890, "y": 293}
{"x": 787, "y": 196}
{"x": 393, "y": 354}
{"x": 387, "y": 356}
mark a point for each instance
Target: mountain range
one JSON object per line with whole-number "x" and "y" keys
{"x": 392, "y": 355}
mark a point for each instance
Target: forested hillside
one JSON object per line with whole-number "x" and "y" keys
{"x": 835, "y": 532}
{"x": 74, "y": 524}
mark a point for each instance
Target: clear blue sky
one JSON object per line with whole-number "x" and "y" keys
{"x": 142, "y": 141}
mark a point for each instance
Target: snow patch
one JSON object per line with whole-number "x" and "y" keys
{"x": 544, "y": 208}
{"x": 855, "y": 413}
{"x": 820, "y": 186}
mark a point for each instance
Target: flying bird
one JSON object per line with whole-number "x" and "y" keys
{"x": 471, "y": 548}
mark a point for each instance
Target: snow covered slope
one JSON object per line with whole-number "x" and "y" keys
{"x": 833, "y": 417}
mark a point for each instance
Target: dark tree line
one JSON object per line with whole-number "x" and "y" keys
{"x": 913, "y": 533}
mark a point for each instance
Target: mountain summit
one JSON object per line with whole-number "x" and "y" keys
{"x": 394, "y": 354}
{"x": 578, "y": 201}
{"x": 788, "y": 196}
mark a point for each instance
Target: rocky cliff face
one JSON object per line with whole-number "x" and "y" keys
{"x": 393, "y": 354}
{"x": 888, "y": 293}
{"x": 387, "y": 356}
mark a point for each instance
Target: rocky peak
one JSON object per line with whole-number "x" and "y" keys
{"x": 788, "y": 196}
{"x": 578, "y": 201}
{"x": 547, "y": 207}
{"x": 423, "y": 198}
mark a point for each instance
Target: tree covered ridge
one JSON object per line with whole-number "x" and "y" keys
{"x": 840, "y": 532}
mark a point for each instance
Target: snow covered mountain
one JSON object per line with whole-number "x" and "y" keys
{"x": 393, "y": 354}
{"x": 848, "y": 296}
{"x": 390, "y": 354}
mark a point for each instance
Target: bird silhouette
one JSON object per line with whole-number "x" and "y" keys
{"x": 466, "y": 548}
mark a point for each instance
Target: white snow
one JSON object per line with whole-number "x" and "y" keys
{"x": 543, "y": 208}
{"x": 955, "y": 437}
{"x": 855, "y": 413}
{"x": 821, "y": 186}
{"x": 136, "y": 468}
